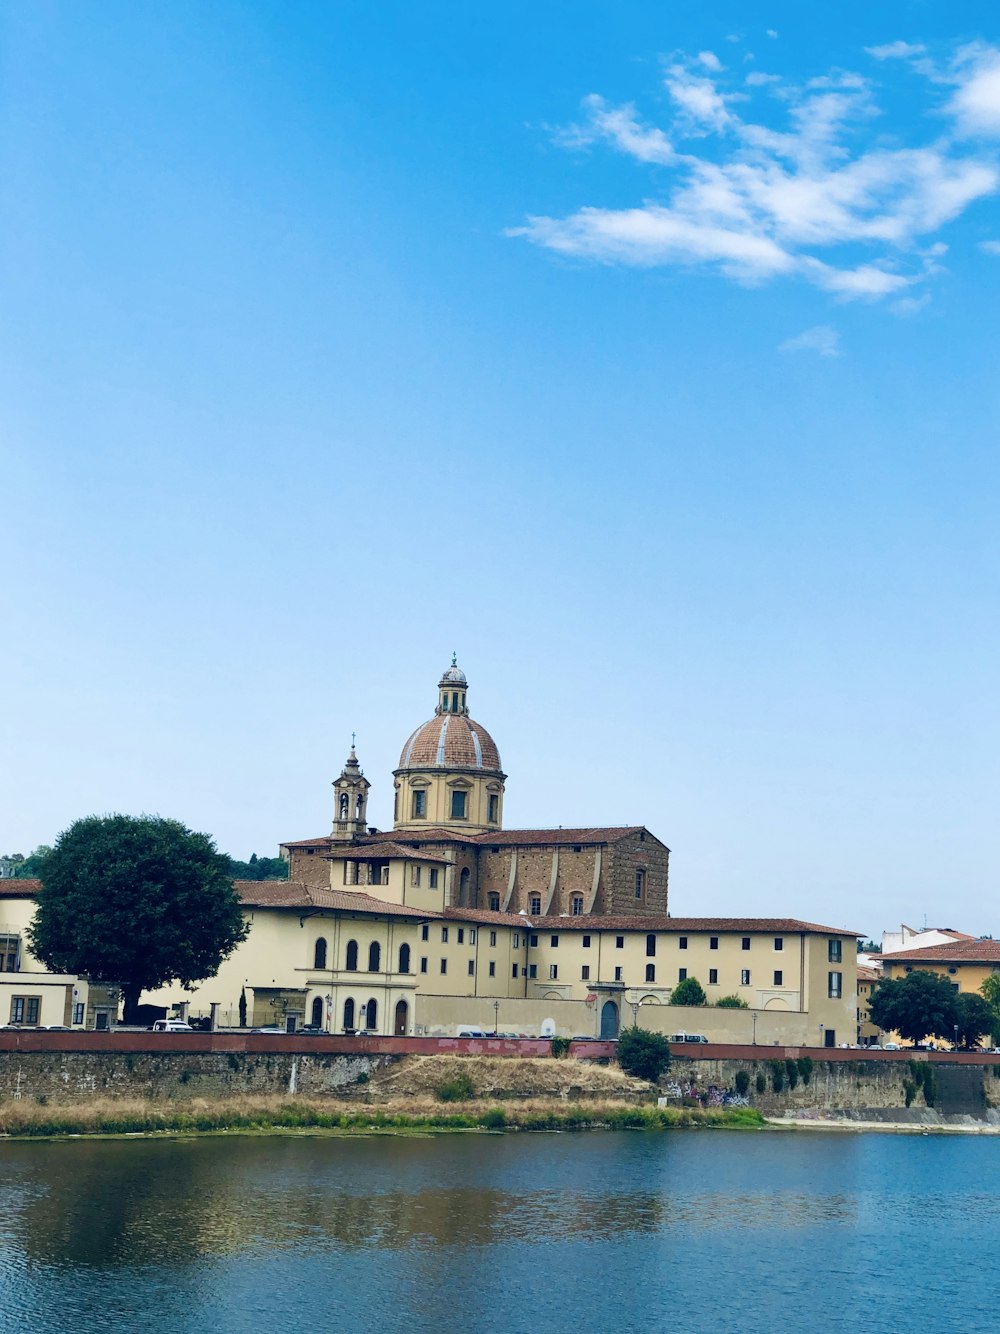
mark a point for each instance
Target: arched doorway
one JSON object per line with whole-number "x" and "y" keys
{"x": 349, "y": 1015}
{"x": 402, "y": 1015}
{"x": 371, "y": 1015}
{"x": 317, "y": 1012}
{"x": 463, "y": 887}
{"x": 609, "y": 1019}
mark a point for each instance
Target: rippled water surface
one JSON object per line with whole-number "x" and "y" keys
{"x": 683, "y": 1231}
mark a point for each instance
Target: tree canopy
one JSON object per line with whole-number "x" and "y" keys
{"x": 688, "y": 992}
{"x": 917, "y": 1006}
{"x": 135, "y": 901}
{"x": 990, "y": 989}
{"x": 730, "y": 1003}
{"x": 643, "y": 1054}
{"x": 974, "y": 1017}
{"x": 258, "y": 868}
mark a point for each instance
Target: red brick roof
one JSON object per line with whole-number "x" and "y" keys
{"x": 519, "y": 837}
{"x": 723, "y": 925}
{"x": 502, "y": 838}
{"x": 451, "y": 741}
{"x": 868, "y": 974}
{"x": 353, "y": 852}
{"x": 19, "y": 889}
{"x": 292, "y": 894}
{"x": 959, "y": 951}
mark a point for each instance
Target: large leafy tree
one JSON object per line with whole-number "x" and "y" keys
{"x": 916, "y": 1006}
{"x": 991, "y": 992}
{"x": 137, "y": 901}
{"x": 643, "y": 1054}
{"x": 974, "y": 1017}
{"x": 688, "y": 992}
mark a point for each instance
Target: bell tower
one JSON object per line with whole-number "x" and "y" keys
{"x": 350, "y": 800}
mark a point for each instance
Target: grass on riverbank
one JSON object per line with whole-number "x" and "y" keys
{"x": 107, "y": 1117}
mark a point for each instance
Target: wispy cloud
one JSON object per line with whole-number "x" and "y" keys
{"x": 822, "y": 195}
{"x": 990, "y": 247}
{"x": 822, "y": 339}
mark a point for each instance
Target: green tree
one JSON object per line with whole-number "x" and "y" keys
{"x": 916, "y": 1006}
{"x": 643, "y": 1054}
{"x": 688, "y": 992}
{"x": 730, "y": 1003}
{"x": 136, "y": 901}
{"x": 258, "y": 868}
{"x": 974, "y": 1017}
{"x": 990, "y": 990}
{"x": 30, "y": 867}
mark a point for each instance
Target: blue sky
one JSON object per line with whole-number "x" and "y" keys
{"x": 647, "y": 360}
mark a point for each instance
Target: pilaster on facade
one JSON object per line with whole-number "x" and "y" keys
{"x": 596, "y": 883}
{"x": 553, "y": 881}
{"x": 511, "y": 881}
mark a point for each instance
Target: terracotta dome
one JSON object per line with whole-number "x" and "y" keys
{"x": 451, "y": 741}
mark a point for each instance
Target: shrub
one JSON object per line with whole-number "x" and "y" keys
{"x": 643, "y": 1054}
{"x": 742, "y": 1083}
{"x": 728, "y": 1003}
{"x": 688, "y": 992}
{"x": 909, "y": 1091}
{"x": 560, "y": 1047}
{"x": 805, "y": 1067}
{"x": 458, "y": 1089}
{"x": 760, "y": 1083}
{"x": 494, "y": 1119}
{"x": 777, "y": 1075}
{"x": 792, "y": 1071}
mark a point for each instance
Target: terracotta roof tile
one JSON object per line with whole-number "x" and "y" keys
{"x": 959, "y": 951}
{"x": 19, "y": 889}
{"x": 353, "y": 852}
{"x": 520, "y": 837}
{"x": 723, "y": 925}
{"x": 293, "y": 894}
{"x": 451, "y": 741}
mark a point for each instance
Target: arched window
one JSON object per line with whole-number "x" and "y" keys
{"x": 494, "y": 902}
{"x": 535, "y": 904}
{"x": 374, "y": 956}
{"x": 319, "y": 960}
{"x": 650, "y": 972}
{"x": 650, "y": 945}
{"x": 463, "y": 886}
{"x": 371, "y": 1014}
{"x": 317, "y": 1012}
{"x": 349, "y": 1013}
{"x": 352, "y": 960}
{"x": 404, "y": 958}
{"x": 343, "y": 805}
{"x": 576, "y": 905}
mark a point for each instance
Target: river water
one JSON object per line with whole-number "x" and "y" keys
{"x": 677, "y": 1231}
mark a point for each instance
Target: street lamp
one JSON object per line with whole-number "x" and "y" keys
{"x": 634, "y": 1006}
{"x": 956, "y": 1037}
{"x": 822, "y": 1028}
{"x": 753, "y": 1020}
{"x": 496, "y": 1018}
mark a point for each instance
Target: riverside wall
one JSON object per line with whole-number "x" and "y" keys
{"x": 162, "y": 1066}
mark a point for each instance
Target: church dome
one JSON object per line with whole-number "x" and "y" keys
{"x": 451, "y": 739}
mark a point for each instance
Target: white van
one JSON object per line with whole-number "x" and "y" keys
{"x": 687, "y": 1037}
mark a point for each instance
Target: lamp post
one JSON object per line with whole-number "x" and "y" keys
{"x": 822, "y": 1028}
{"x": 634, "y": 1006}
{"x": 956, "y": 1037}
{"x": 496, "y": 1018}
{"x": 753, "y": 1020}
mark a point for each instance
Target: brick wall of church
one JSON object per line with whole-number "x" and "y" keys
{"x": 624, "y": 859}
{"x": 310, "y": 868}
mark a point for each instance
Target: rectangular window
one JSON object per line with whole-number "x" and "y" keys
{"x": 713, "y": 977}
{"x": 713, "y": 942}
{"x": 553, "y": 972}
{"x": 458, "y": 803}
{"x": 834, "y": 952}
{"x": 650, "y": 946}
{"x": 493, "y": 968}
{"x": 425, "y": 931}
{"x": 585, "y": 973}
{"x": 682, "y": 943}
{"x": 472, "y": 967}
{"x": 586, "y": 942}
{"x": 444, "y": 935}
{"x": 414, "y": 875}
{"x": 432, "y": 878}
{"x": 419, "y": 806}
{"x": 779, "y": 942}
{"x": 650, "y": 972}
{"x": 461, "y": 935}
{"x": 835, "y": 985}
{"x": 779, "y": 978}
{"x": 745, "y": 977}
{"x": 494, "y": 809}
{"x": 79, "y": 1012}
{"x": 513, "y": 970}
{"x": 532, "y": 969}
{"x": 554, "y": 941}
{"x": 745, "y": 943}
{"x": 444, "y": 965}
{"x": 618, "y": 974}
{"x": 9, "y": 950}
{"x": 619, "y": 942}
{"x": 472, "y": 936}
{"x": 423, "y": 963}
{"x": 640, "y": 884}
{"x": 25, "y": 1009}
{"x": 517, "y": 941}
{"x": 533, "y": 942}
{"x": 493, "y": 939}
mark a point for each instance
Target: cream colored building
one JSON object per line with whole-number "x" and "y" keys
{"x": 449, "y": 920}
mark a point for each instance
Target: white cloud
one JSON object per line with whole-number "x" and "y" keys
{"x": 711, "y": 61}
{"x": 976, "y": 104}
{"x": 896, "y": 50}
{"x": 822, "y": 339}
{"x": 910, "y": 305}
{"x": 757, "y": 79}
{"x": 771, "y": 32}
{"x": 990, "y": 247}
{"x": 824, "y": 197}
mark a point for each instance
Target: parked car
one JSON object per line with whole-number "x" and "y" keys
{"x": 313, "y": 1030}
{"x": 890, "y": 1046}
{"x": 272, "y": 1029}
{"x": 171, "y": 1026}
{"x": 688, "y": 1037}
